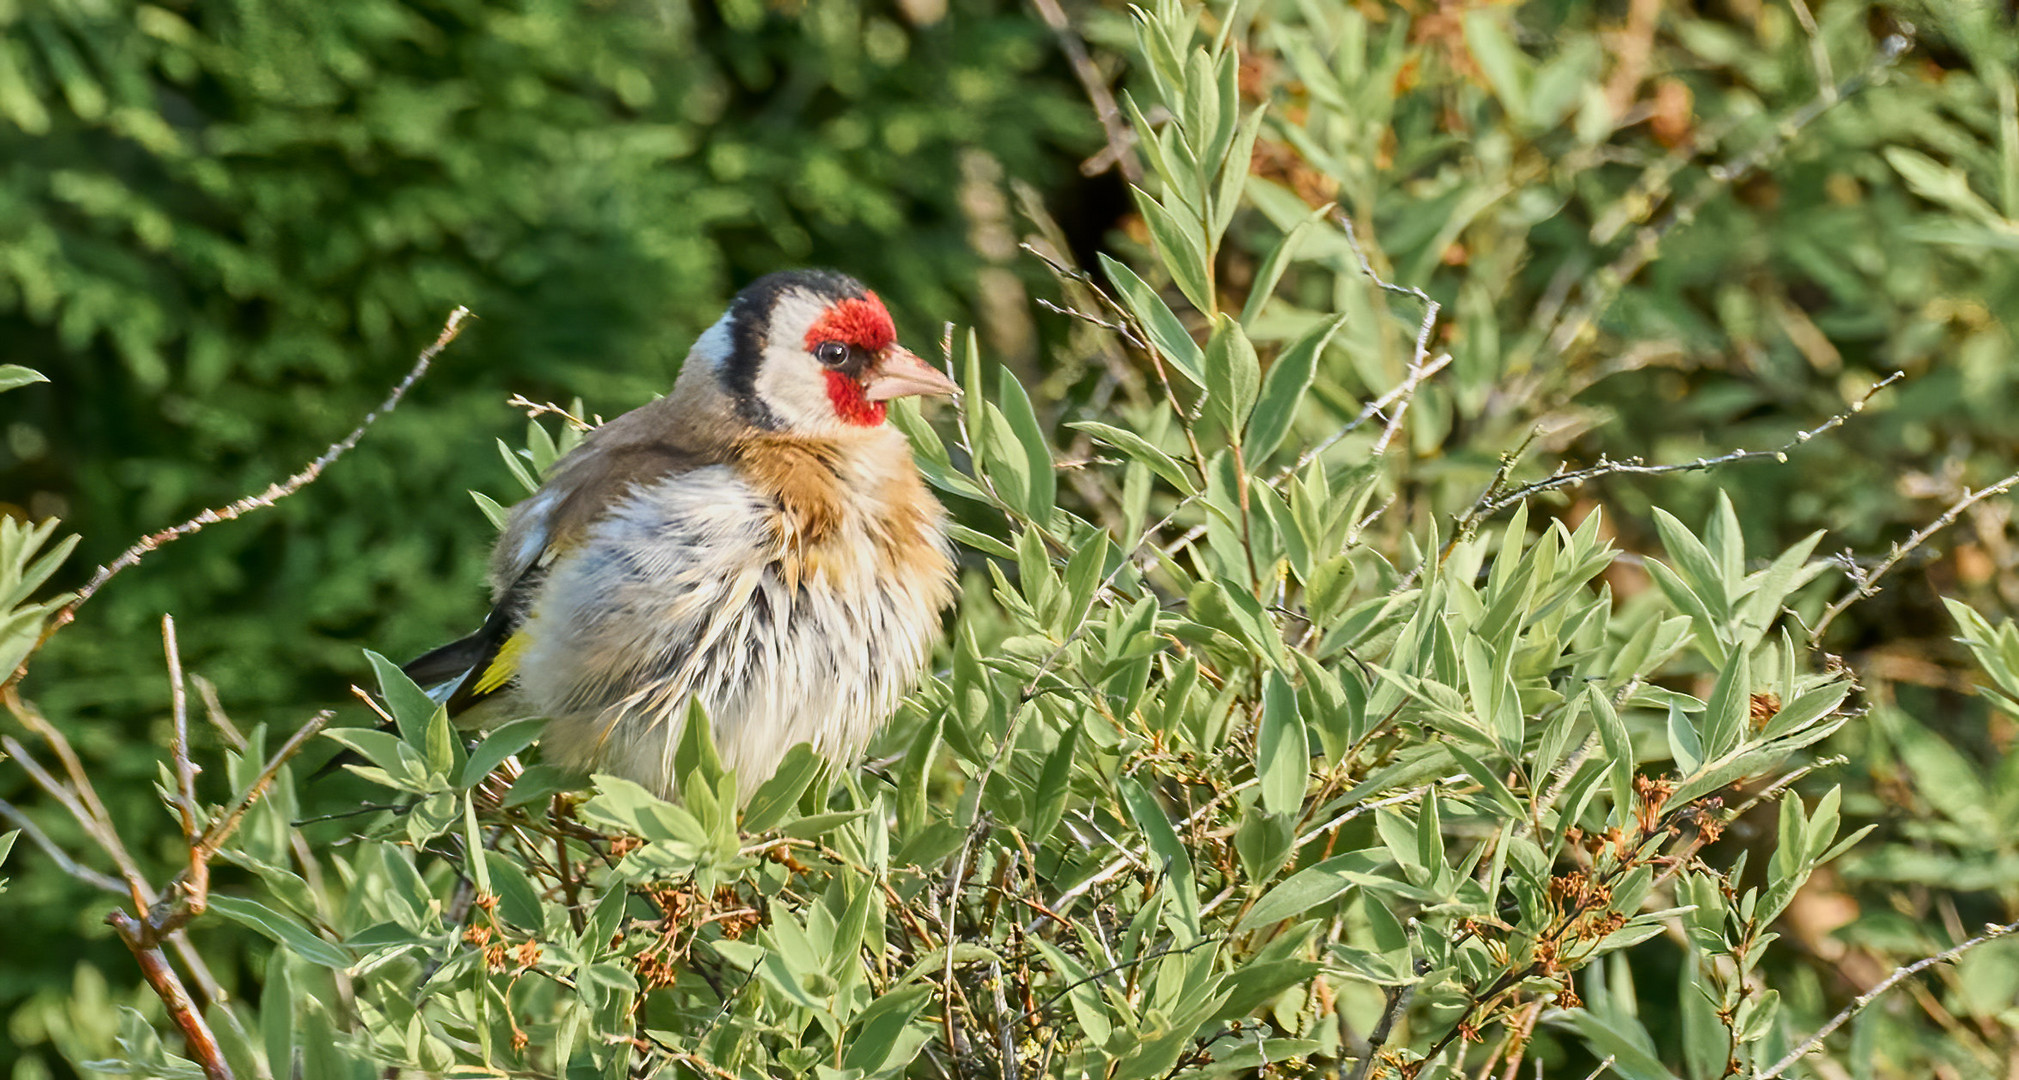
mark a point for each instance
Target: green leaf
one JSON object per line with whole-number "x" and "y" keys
{"x": 1304, "y": 890}
{"x": 1693, "y": 560}
{"x": 493, "y": 512}
{"x": 696, "y": 762}
{"x": 1684, "y": 745}
{"x": 1081, "y": 990}
{"x": 1770, "y": 587}
{"x": 412, "y": 709}
{"x": 1430, "y": 836}
{"x": 1488, "y": 779}
{"x": 1165, "y": 67}
{"x": 1003, "y": 458}
{"x": 1167, "y": 335}
{"x": 14, "y": 376}
{"x": 1054, "y": 785}
{"x": 518, "y": 899}
{"x": 1730, "y": 705}
{"x": 1619, "y": 752}
{"x": 388, "y": 752}
{"x": 299, "y": 939}
{"x": 1807, "y": 707}
{"x": 1181, "y": 248}
{"x": 882, "y": 1036}
{"x": 1168, "y": 157}
{"x": 775, "y": 798}
{"x": 1206, "y": 130}
{"x": 473, "y": 841}
{"x": 517, "y": 467}
{"x": 1278, "y": 260}
{"x": 540, "y": 448}
{"x": 1284, "y": 387}
{"x": 1629, "y": 1054}
{"x": 506, "y": 740}
{"x": 1708, "y": 630}
{"x": 904, "y": 415}
{"x": 1041, "y": 480}
{"x": 1140, "y": 449}
{"x": 980, "y": 541}
{"x": 277, "y": 1016}
{"x": 1939, "y": 183}
{"x": 445, "y": 754}
{"x": 1234, "y": 174}
{"x": 322, "y": 1056}
{"x": 1505, "y": 66}
{"x": 1233, "y": 373}
{"x": 1168, "y": 848}
{"x": 815, "y": 825}
{"x": 1282, "y": 752}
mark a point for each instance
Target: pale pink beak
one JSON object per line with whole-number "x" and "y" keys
{"x": 900, "y": 373}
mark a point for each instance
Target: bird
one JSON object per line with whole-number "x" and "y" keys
{"x": 758, "y": 541}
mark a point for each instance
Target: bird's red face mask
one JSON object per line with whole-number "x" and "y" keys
{"x": 856, "y": 343}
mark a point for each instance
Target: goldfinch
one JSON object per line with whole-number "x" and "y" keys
{"x": 758, "y": 540}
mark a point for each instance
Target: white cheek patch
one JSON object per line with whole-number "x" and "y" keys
{"x": 794, "y": 385}
{"x": 790, "y": 381}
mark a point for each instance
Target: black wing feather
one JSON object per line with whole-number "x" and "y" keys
{"x": 465, "y": 660}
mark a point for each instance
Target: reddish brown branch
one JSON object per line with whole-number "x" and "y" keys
{"x": 196, "y": 1034}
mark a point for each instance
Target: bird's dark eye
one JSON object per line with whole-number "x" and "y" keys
{"x": 831, "y": 353}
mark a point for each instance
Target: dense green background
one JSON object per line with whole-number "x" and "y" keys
{"x": 226, "y": 227}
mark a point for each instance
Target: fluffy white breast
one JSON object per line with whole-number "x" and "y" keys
{"x": 695, "y": 588}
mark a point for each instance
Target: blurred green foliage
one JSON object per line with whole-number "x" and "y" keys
{"x": 1261, "y": 654}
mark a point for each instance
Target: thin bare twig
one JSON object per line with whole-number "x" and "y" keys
{"x": 198, "y": 874}
{"x": 12, "y": 814}
{"x": 1076, "y": 313}
{"x": 1819, "y": 50}
{"x": 536, "y": 409}
{"x": 1121, "y": 862}
{"x": 1398, "y": 999}
{"x": 87, "y": 812}
{"x": 1120, "y": 150}
{"x": 157, "y": 919}
{"x": 178, "y": 742}
{"x": 273, "y": 493}
{"x": 1421, "y": 364}
{"x": 1392, "y": 800}
{"x": 1867, "y": 583}
{"x": 213, "y": 710}
{"x": 1784, "y": 783}
{"x": 221, "y": 829}
{"x": 1899, "y": 975}
{"x": 1495, "y": 499}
